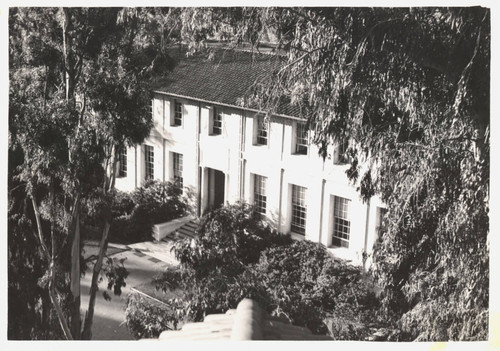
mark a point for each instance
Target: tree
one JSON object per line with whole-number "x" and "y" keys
{"x": 236, "y": 256}
{"x": 408, "y": 88}
{"x": 78, "y": 94}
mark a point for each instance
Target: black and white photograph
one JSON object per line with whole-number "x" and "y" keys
{"x": 267, "y": 172}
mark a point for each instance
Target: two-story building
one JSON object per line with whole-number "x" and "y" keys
{"x": 223, "y": 152}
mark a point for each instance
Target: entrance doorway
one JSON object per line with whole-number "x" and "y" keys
{"x": 216, "y": 188}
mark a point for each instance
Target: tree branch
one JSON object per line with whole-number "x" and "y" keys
{"x": 55, "y": 302}
{"x": 39, "y": 226}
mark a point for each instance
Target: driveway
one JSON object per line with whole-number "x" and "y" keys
{"x": 109, "y": 316}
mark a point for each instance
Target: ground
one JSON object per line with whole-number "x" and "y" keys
{"x": 109, "y": 316}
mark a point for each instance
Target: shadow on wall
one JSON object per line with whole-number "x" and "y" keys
{"x": 191, "y": 197}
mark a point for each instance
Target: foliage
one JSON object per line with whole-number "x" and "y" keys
{"x": 79, "y": 81}
{"x": 409, "y": 89}
{"x": 163, "y": 201}
{"x": 26, "y": 267}
{"x": 115, "y": 272}
{"x": 308, "y": 285}
{"x": 154, "y": 202}
{"x": 147, "y": 318}
{"x": 123, "y": 204}
{"x": 228, "y": 238}
{"x": 298, "y": 281}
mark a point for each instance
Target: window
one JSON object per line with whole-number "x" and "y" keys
{"x": 342, "y": 156}
{"x": 177, "y": 113}
{"x": 298, "y": 209}
{"x": 259, "y": 194}
{"x": 151, "y": 108}
{"x": 217, "y": 124}
{"x": 178, "y": 167}
{"x": 301, "y": 143}
{"x": 262, "y": 131}
{"x": 342, "y": 224}
{"x": 122, "y": 163}
{"x": 149, "y": 158}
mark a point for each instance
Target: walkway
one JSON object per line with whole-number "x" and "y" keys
{"x": 109, "y": 316}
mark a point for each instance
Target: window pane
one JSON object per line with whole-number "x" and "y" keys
{"x": 122, "y": 159}
{"x": 342, "y": 152}
{"x": 262, "y": 130}
{"x": 217, "y": 126}
{"x": 299, "y": 209}
{"x": 342, "y": 224}
{"x": 149, "y": 162}
{"x": 260, "y": 199}
{"x": 301, "y": 139}
{"x": 178, "y": 114}
{"x": 178, "y": 168}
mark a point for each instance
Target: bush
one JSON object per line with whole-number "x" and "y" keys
{"x": 237, "y": 256}
{"x": 309, "y": 286}
{"x": 147, "y": 318}
{"x": 162, "y": 201}
{"x": 135, "y": 214}
{"x": 228, "y": 238}
{"x": 122, "y": 204}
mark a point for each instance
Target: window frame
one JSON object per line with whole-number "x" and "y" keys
{"x": 259, "y": 194}
{"x": 217, "y": 118}
{"x": 149, "y": 169}
{"x": 178, "y": 114}
{"x": 122, "y": 163}
{"x": 298, "y": 216}
{"x": 341, "y": 231}
{"x": 262, "y": 134}
{"x": 301, "y": 146}
{"x": 342, "y": 158}
{"x": 178, "y": 167}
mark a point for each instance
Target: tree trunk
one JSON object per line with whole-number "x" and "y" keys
{"x": 39, "y": 227}
{"x": 89, "y": 316}
{"x": 53, "y": 297}
{"x": 67, "y": 68}
{"x": 75, "y": 281}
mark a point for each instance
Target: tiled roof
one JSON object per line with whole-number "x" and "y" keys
{"x": 225, "y": 79}
{"x": 247, "y": 322}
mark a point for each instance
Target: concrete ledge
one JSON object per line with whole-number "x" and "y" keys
{"x": 161, "y": 230}
{"x": 247, "y": 321}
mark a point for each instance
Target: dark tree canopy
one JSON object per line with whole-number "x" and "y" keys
{"x": 79, "y": 93}
{"x": 408, "y": 88}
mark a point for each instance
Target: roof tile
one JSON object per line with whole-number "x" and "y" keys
{"x": 226, "y": 79}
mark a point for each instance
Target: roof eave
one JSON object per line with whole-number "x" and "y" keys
{"x": 224, "y": 104}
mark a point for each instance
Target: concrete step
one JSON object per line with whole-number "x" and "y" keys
{"x": 188, "y": 230}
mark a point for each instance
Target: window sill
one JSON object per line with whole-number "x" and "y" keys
{"x": 297, "y": 236}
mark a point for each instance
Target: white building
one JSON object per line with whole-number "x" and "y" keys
{"x": 225, "y": 153}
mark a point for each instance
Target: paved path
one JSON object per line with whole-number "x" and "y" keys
{"x": 109, "y": 316}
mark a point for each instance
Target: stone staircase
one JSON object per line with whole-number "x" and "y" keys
{"x": 188, "y": 230}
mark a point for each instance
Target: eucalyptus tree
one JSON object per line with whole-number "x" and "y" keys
{"x": 79, "y": 93}
{"x": 408, "y": 89}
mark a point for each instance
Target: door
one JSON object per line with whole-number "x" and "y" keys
{"x": 216, "y": 188}
{"x": 219, "y": 188}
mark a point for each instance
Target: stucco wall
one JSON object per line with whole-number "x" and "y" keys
{"x": 234, "y": 152}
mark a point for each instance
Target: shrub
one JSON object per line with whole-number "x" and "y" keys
{"x": 135, "y": 214}
{"x": 309, "y": 286}
{"x": 162, "y": 201}
{"x": 236, "y": 256}
{"x": 147, "y": 318}
{"x": 122, "y": 204}
{"x": 228, "y": 238}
